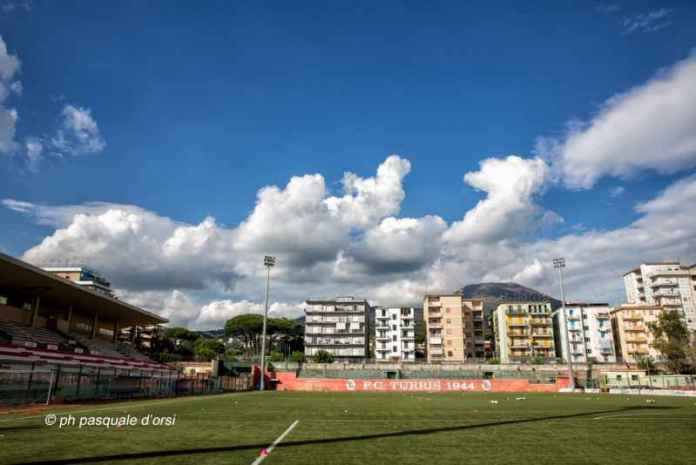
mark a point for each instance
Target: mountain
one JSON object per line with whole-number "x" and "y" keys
{"x": 495, "y": 293}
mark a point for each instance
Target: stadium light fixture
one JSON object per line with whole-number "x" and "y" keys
{"x": 559, "y": 264}
{"x": 269, "y": 262}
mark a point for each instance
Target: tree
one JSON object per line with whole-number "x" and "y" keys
{"x": 178, "y": 332}
{"x": 247, "y": 329}
{"x": 647, "y": 364}
{"x": 208, "y": 349}
{"x": 323, "y": 356}
{"x": 283, "y": 335}
{"x": 671, "y": 339}
{"x": 297, "y": 356}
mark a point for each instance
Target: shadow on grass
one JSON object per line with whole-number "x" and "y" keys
{"x": 364, "y": 437}
{"x": 9, "y": 429}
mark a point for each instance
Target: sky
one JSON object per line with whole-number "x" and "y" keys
{"x": 377, "y": 149}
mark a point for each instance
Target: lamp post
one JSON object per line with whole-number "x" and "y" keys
{"x": 269, "y": 262}
{"x": 559, "y": 264}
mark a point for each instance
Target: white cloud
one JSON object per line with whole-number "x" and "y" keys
{"x": 9, "y": 68}
{"x": 34, "y": 150}
{"x": 79, "y": 133}
{"x": 647, "y": 22}
{"x": 399, "y": 245}
{"x": 202, "y": 274}
{"x": 617, "y": 191}
{"x": 367, "y": 200}
{"x": 510, "y": 185}
{"x": 181, "y": 308}
{"x": 650, "y": 127}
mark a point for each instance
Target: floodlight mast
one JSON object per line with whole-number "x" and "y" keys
{"x": 559, "y": 264}
{"x": 269, "y": 262}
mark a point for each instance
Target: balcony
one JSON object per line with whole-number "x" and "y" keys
{"x": 382, "y": 338}
{"x": 602, "y": 316}
{"x": 434, "y": 340}
{"x": 540, "y": 322}
{"x": 518, "y": 324}
{"x": 639, "y": 328}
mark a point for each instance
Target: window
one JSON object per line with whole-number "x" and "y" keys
{"x": 393, "y": 348}
{"x": 394, "y": 338}
{"x": 449, "y": 353}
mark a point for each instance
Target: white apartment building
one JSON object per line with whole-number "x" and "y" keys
{"x": 339, "y": 326}
{"x": 395, "y": 334}
{"x": 667, "y": 284}
{"x": 589, "y": 333}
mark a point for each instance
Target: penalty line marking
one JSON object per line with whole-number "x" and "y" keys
{"x": 260, "y": 458}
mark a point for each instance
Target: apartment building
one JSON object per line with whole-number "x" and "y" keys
{"x": 667, "y": 284}
{"x": 84, "y": 277}
{"x": 339, "y": 326}
{"x": 632, "y": 336}
{"x": 589, "y": 333}
{"x": 523, "y": 330}
{"x": 455, "y": 328}
{"x": 395, "y": 333}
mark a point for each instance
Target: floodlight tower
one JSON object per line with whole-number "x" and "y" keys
{"x": 269, "y": 262}
{"x": 559, "y": 264}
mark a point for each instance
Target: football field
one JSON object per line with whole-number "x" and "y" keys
{"x": 359, "y": 428}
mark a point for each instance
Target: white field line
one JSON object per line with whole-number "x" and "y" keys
{"x": 121, "y": 405}
{"x": 260, "y": 458}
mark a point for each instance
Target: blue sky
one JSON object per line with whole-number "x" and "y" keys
{"x": 197, "y": 105}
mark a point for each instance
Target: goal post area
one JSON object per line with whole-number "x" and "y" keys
{"x": 26, "y": 385}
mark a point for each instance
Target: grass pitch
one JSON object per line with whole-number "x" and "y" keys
{"x": 366, "y": 429}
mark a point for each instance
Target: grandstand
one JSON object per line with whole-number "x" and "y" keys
{"x": 49, "y": 324}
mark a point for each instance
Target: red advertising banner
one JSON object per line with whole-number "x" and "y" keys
{"x": 289, "y": 382}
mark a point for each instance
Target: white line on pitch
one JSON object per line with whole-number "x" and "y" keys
{"x": 260, "y": 458}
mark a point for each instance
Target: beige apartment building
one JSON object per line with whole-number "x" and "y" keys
{"x": 455, "y": 328}
{"x": 667, "y": 284}
{"x": 632, "y": 336}
{"x": 523, "y": 330}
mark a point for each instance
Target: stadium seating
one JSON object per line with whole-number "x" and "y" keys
{"x": 97, "y": 346}
{"x": 26, "y": 336}
{"x": 128, "y": 351}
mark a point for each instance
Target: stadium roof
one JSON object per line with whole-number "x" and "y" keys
{"x": 59, "y": 292}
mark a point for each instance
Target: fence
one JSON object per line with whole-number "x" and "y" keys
{"x": 24, "y": 384}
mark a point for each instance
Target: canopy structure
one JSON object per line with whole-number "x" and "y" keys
{"x": 57, "y": 292}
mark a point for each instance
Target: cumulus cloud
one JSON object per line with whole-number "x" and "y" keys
{"x": 367, "y": 200}
{"x": 398, "y": 245}
{"x": 510, "y": 185}
{"x": 199, "y": 274}
{"x": 304, "y": 225}
{"x": 650, "y": 127}
{"x": 136, "y": 248}
{"x": 182, "y": 308}
{"x": 9, "y": 68}
{"x": 79, "y": 133}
